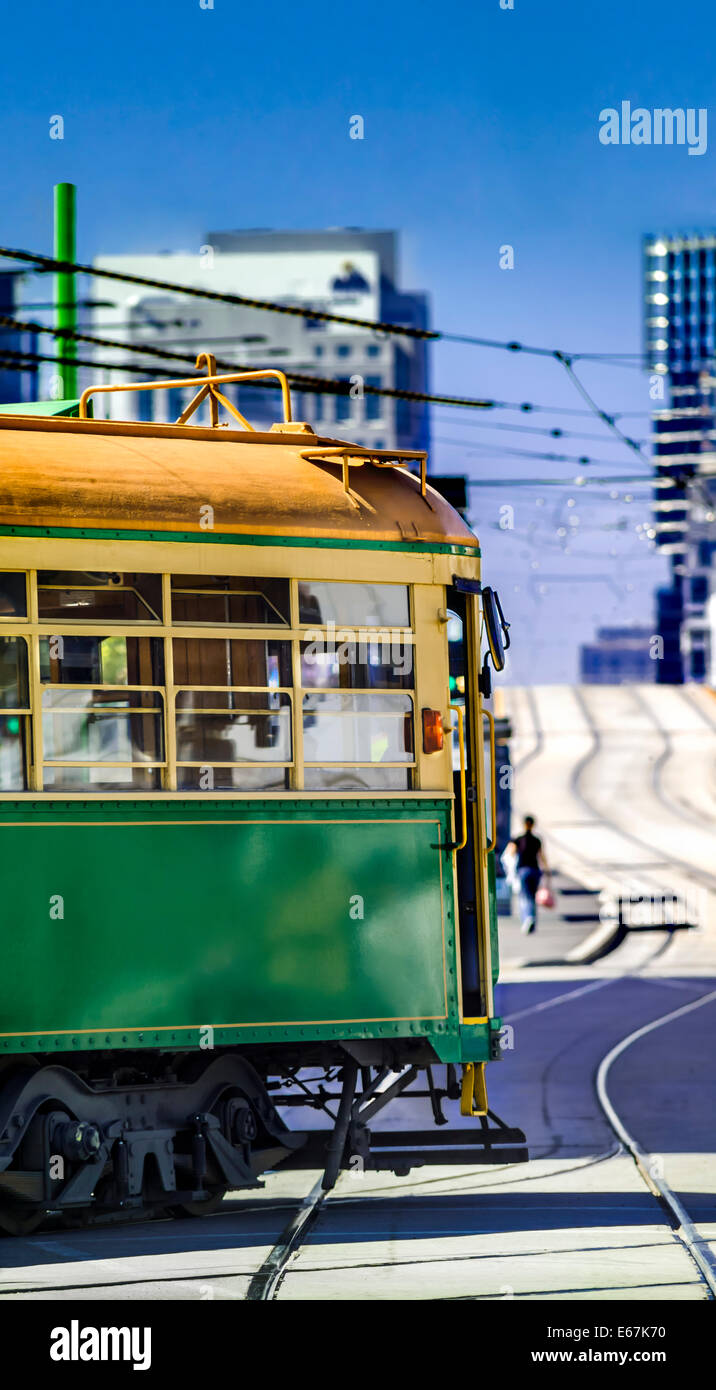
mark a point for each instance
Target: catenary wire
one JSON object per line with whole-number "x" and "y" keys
{"x": 49, "y": 263}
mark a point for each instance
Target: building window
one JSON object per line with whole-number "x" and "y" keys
{"x": 373, "y": 404}
{"x": 373, "y": 350}
{"x": 343, "y": 350}
{"x": 699, "y": 589}
{"x": 698, "y": 663}
{"x": 343, "y": 403}
{"x": 145, "y": 406}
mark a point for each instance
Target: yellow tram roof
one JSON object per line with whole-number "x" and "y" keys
{"x": 107, "y": 474}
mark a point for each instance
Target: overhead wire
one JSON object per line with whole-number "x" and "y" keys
{"x": 49, "y": 263}
{"x": 308, "y": 383}
{"x": 388, "y": 328}
{"x": 551, "y": 433}
{"x": 326, "y": 385}
{"x": 318, "y": 385}
{"x": 313, "y": 385}
{"x": 470, "y": 446}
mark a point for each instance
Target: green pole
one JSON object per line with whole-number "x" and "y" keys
{"x": 65, "y": 291}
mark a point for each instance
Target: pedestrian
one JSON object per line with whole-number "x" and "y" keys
{"x": 530, "y": 865}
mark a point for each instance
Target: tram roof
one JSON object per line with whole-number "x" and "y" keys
{"x": 107, "y": 474}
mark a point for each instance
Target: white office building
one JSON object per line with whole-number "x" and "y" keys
{"x": 341, "y": 271}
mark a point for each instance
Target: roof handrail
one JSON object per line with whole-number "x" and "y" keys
{"x": 381, "y": 458}
{"x": 207, "y": 387}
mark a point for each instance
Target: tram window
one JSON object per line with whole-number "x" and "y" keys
{"x": 14, "y": 702}
{"x": 102, "y": 726}
{"x": 211, "y": 778}
{"x": 235, "y": 661}
{"x": 106, "y": 597}
{"x": 226, "y": 599}
{"x": 256, "y": 728}
{"x": 456, "y": 657}
{"x": 361, "y": 605}
{"x": 370, "y": 664}
{"x": 357, "y": 779}
{"x": 13, "y": 674}
{"x": 357, "y": 728}
{"x": 102, "y": 740}
{"x": 91, "y": 720}
{"x": 101, "y": 779}
{"x": 12, "y": 753}
{"x": 13, "y": 597}
{"x": 118, "y": 660}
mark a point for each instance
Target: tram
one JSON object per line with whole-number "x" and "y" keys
{"x": 240, "y": 874}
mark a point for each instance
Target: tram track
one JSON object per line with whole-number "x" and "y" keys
{"x": 669, "y": 1205}
{"x": 278, "y": 1266}
{"x": 283, "y": 1260}
{"x": 597, "y": 816}
{"x": 657, "y": 1185}
{"x": 266, "y": 1282}
{"x": 281, "y": 1265}
{"x": 690, "y": 870}
{"x": 684, "y": 810}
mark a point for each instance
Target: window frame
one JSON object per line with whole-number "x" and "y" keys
{"x": 22, "y": 712}
{"x": 15, "y": 618}
{"x": 131, "y": 623}
{"x": 31, "y": 628}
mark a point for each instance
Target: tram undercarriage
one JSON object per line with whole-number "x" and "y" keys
{"x": 136, "y": 1136}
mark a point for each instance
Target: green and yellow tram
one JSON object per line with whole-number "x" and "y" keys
{"x": 233, "y": 842}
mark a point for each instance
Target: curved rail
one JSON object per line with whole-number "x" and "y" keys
{"x": 698, "y": 874}
{"x": 657, "y": 1186}
{"x": 265, "y": 1284}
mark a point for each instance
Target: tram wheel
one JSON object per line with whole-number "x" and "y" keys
{"x": 206, "y": 1207}
{"x": 18, "y": 1221}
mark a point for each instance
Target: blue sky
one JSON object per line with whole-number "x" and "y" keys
{"x": 481, "y": 128}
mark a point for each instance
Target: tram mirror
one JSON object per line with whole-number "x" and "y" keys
{"x": 495, "y": 627}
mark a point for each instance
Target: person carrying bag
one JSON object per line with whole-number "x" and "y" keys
{"x": 528, "y": 864}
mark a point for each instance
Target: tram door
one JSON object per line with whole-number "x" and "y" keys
{"x": 464, "y": 654}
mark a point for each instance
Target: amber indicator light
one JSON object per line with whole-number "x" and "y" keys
{"x": 432, "y": 731}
